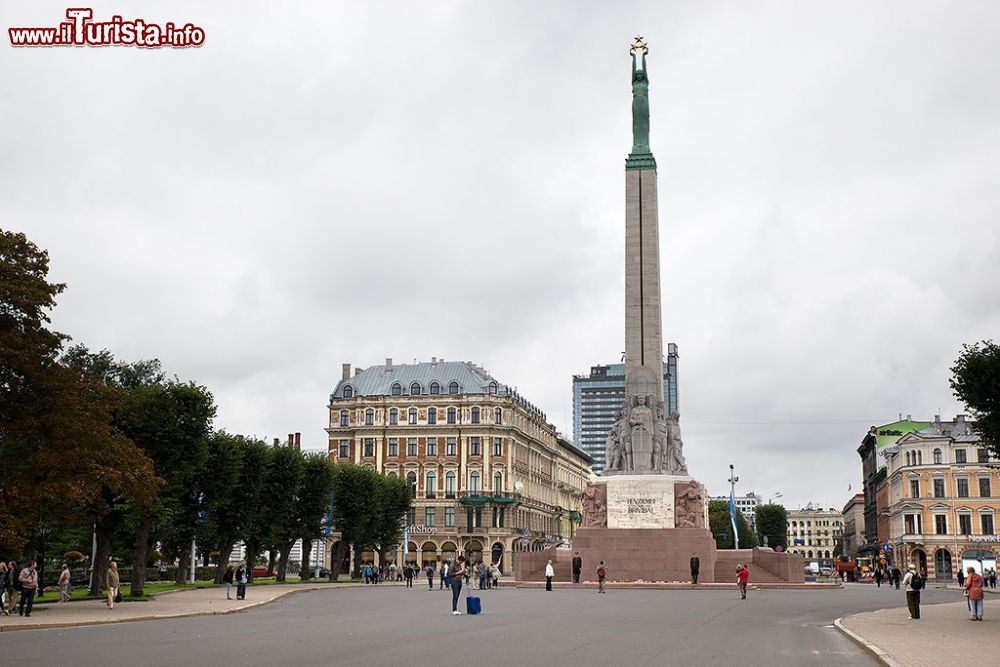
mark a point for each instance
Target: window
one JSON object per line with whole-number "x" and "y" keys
{"x": 475, "y": 415}
{"x": 984, "y": 487}
{"x": 369, "y": 446}
{"x": 475, "y": 446}
{"x": 392, "y": 475}
{"x": 411, "y": 477}
{"x": 982, "y": 456}
{"x": 920, "y": 458}
{"x": 348, "y": 391}
{"x": 963, "y": 488}
{"x": 415, "y": 389}
{"x": 345, "y": 449}
{"x": 435, "y": 389}
{"x": 432, "y": 416}
{"x": 987, "y": 521}
{"x": 397, "y": 389}
{"x": 940, "y": 524}
{"x": 413, "y": 415}
{"x": 474, "y": 483}
{"x": 493, "y": 387}
{"x": 429, "y": 517}
{"x": 345, "y": 418}
{"x": 449, "y": 517}
{"x": 497, "y": 483}
{"x": 451, "y": 447}
{"x": 393, "y": 446}
{"x": 453, "y": 388}
{"x": 393, "y": 416}
{"x": 912, "y": 523}
{"x": 411, "y": 446}
{"x": 449, "y": 485}
{"x": 369, "y": 417}
{"x": 497, "y": 447}
{"x": 939, "y": 488}
{"x": 411, "y": 516}
{"x": 451, "y": 415}
{"x": 432, "y": 446}
{"x": 431, "y": 486}
{"x": 914, "y": 488}
{"x": 937, "y": 456}
{"x": 960, "y": 456}
{"x": 498, "y": 415}
{"x": 965, "y": 524}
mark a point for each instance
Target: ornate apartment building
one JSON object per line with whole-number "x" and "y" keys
{"x": 943, "y": 505}
{"x": 490, "y": 475}
{"x": 813, "y": 533}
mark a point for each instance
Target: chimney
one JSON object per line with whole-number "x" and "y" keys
{"x": 298, "y": 441}
{"x": 275, "y": 442}
{"x": 434, "y": 361}
{"x": 909, "y": 418}
{"x": 291, "y": 439}
{"x": 388, "y": 364}
{"x": 346, "y": 372}
{"x": 960, "y": 419}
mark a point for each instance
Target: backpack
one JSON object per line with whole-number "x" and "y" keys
{"x": 916, "y": 582}
{"x": 600, "y": 572}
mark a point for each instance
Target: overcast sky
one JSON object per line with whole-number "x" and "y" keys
{"x": 345, "y": 182}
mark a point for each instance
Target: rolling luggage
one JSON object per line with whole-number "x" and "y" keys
{"x": 473, "y": 604}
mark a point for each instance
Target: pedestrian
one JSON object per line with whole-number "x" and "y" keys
{"x": 993, "y": 578}
{"x": 961, "y": 578}
{"x": 974, "y": 591}
{"x": 695, "y": 567}
{"x": 495, "y": 575}
{"x": 444, "y": 575}
{"x": 913, "y": 582}
{"x": 456, "y": 575}
{"x": 430, "y": 576}
{"x": 29, "y": 586}
{"x": 64, "y": 583}
{"x": 114, "y": 582}
{"x": 602, "y": 572}
{"x": 408, "y": 575}
{"x": 897, "y": 576}
{"x": 392, "y": 572}
{"x": 3, "y": 588}
{"x": 878, "y": 577}
{"x": 549, "y": 573}
{"x": 12, "y": 585}
{"x": 242, "y": 576}
{"x": 577, "y": 567}
{"x": 742, "y": 579}
{"x": 481, "y": 571}
{"x": 227, "y": 578}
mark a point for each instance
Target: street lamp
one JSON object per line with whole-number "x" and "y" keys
{"x": 732, "y": 494}
{"x": 776, "y": 495}
{"x": 43, "y": 532}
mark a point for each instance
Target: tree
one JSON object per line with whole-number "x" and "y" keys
{"x": 284, "y": 488}
{"x": 772, "y": 524}
{"x": 975, "y": 380}
{"x": 313, "y": 503}
{"x": 392, "y": 500}
{"x": 252, "y": 494}
{"x": 353, "y": 490}
{"x": 722, "y": 528}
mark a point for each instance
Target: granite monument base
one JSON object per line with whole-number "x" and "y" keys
{"x": 646, "y": 554}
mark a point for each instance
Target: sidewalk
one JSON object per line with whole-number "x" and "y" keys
{"x": 171, "y": 604}
{"x": 944, "y": 635}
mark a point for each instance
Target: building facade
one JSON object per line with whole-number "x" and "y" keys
{"x": 596, "y": 397}
{"x": 745, "y": 505}
{"x": 813, "y": 533}
{"x": 942, "y": 505}
{"x": 854, "y": 524}
{"x": 491, "y": 477}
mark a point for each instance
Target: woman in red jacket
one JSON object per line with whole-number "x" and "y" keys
{"x": 742, "y": 577}
{"x": 974, "y": 589}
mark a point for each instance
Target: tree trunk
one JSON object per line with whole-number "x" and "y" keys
{"x": 356, "y": 570}
{"x": 225, "y": 552}
{"x": 304, "y": 571}
{"x": 252, "y": 549}
{"x": 272, "y": 554}
{"x": 99, "y": 580}
{"x": 183, "y": 565}
{"x": 338, "y": 559}
{"x": 140, "y": 554}
{"x": 286, "y": 551}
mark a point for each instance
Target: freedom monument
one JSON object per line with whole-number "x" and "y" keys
{"x": 646, "y": 516}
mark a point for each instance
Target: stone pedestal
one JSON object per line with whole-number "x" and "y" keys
{"x": 646, "y": 554}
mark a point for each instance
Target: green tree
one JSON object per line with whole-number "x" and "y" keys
{"x": 252, "y": 495}
{"x": 772, "y": 524}
{"x": 313, "y": 503}
{"x": 284, "y": 490}
{"x": 392, "y": 500}
{"x": 722, "y": 528}
{"x": 975, "y": 380}
{"x": 353, "y": 489}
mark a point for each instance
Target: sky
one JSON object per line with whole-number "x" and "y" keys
{"x": 331, "y": 182}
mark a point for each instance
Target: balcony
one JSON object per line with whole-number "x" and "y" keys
{"x": 478, "y": 498}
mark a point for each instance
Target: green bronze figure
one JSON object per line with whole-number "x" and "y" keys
{"x": 640, "y": 102}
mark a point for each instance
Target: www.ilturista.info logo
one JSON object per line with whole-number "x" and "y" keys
{"x": 80, "y": 30}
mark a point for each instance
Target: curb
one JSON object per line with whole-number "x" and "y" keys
{"x": 875, "y": 651}
{"x": 161, "y": 617}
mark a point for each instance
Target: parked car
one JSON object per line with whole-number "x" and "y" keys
{"x": 260, "y": 571}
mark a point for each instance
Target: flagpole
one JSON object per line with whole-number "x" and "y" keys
{"x": 732, "y": 505}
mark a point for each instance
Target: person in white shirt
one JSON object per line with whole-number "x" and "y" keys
{"x": 549, "y": 573}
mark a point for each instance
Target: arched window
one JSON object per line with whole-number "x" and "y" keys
{"x": 920, "y": 458}
{"x": 475, "y": 415}
{"x": 392, "y": 475}
{"x": 397, "y": 389}
{"x": 827, "y": 553}
{"x": 431, "y": 485}
{"x": 449, "y": 484}
{"x": 474, "y": 482}
{"x": 393, "y": 416}
{"x": 453, "y": 387}
{"x": 435, "y": 389}
{"x": 498, "y": 415}
{"x": 369, "y": 417}
{"x": 413, "y": 415}
{"x": 937, "y": 456}
{"x": 432, "y": 415}
{"x": 345, "y": 418}
{"x": 908, "y": 459}
{"x": 497, "y": 483}
{"x": 411, "y": 477}
{"x": 451, "y": 415}
{"x": 415, "y": 389}
{"x": 348, "y": 391}
{"x": 493, "y": 387}
{"x": 810, "y": 553}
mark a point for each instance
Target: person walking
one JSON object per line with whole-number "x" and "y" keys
{"x": 695, "y": 567}
{"x": 742, "y": 579}
{"x": 577, "y": 567}
{"x": 64, "y": 583}
{"x": 12, "y": 585}
{"x": 897, "y": 575}
{"x": 227, "y": 578}
{"x": 974, "y": 591}
{"x": 602, "y": 572}
{"x": 242, "y": 576}
{"x": 444, "y": 575}
{"x": 961, "y": 578}
{"x": 29, "y": 586}
{"x": 495, "y": 575}
{"x": 913, "y": 582}
{"x": 3, "y": 588}
{"x": 392, "y": 572}
{"x": 408, "y": 575}
{"x": 549, "y": 573}
{"x": 878, "y": 577}
{"x": 114, "y": 582}
{"x": 457, "y": 573}
{"x": 430, "y": 576}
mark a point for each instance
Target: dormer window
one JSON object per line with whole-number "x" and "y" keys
{"x": 397, "y": 389}
{"x": 493, "y": 387}
{"x": 453, "y": 388}
{"x": 348, "y": 391}
{"x": 435, "y": 389}
{"x": 415, "y": 389}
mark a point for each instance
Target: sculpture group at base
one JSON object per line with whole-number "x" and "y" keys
{"x": 644, "y": 439}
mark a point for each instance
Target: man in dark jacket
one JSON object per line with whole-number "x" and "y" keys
{"x": 695, "y": 567}
{"x": 577, "y": 567}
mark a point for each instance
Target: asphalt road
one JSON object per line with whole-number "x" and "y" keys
{"x": 383, "y": 625}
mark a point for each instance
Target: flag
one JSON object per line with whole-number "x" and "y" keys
{"x": 406, "y": 540}
{"x": 732, "y": 518}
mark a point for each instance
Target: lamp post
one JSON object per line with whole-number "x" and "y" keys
{"x": 43, "y": 532}
{"x": 732, "y": 494}
{"x": 779, "y": 494}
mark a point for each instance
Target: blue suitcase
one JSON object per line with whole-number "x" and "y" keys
{"x": 473, "y": 605}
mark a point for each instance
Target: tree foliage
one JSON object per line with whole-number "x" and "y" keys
{"x": 722, "y": 527}
{"x": 772, "y": 524}
{"x": 975, "y": 380}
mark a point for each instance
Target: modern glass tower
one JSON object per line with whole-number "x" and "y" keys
{"x": 596, "y": 397}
